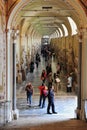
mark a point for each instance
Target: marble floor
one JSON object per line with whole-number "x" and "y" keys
{"x": 34, "y": 116}
{"x": 35, "y": 79}
{"x": 65, "y": 103}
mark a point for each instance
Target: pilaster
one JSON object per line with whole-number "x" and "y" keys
{"x": 15, "y": 112}
{"x": 82, "y": 75}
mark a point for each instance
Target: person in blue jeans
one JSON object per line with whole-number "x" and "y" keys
{"x": 42, "y": 95}
{"x": 29, "y": 93}
{"x": 51, "y": 100}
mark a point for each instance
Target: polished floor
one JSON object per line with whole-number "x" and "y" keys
{"x": 65, "y": 103}
{"x": 35, "y": 79}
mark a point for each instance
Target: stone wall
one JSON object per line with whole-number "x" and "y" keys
{"x": 66, "y": 51}
{"x": 2, "y": 53}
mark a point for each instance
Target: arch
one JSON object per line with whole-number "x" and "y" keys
{"x": 65, "y": 30}
{"x": 76, "y": 14}
{"x": 77, "y": 11}
{"x": 73, "y": 26}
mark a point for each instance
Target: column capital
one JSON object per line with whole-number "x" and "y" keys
{"x": 14, "y": 33}
{"x": 85, "y": 33}
{"x": 82, "y": 30}
{"x": 81, "y": 33}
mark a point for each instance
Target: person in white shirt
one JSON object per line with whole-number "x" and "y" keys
{"x": 69, "y": 83}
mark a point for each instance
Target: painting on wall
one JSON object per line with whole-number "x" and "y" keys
{"x": 84, "y": 5}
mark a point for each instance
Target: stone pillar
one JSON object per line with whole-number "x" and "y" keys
{"x": 84, "y": 74}
{"x": 14, "y": 76}
{"x": 8, "y": 80}
{"x": 82, "y": 93}
{"x": 15, "y": 111}
{"x": 79, "y": 76}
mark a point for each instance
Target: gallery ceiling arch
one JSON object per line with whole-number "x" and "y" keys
{"x": 45, "y": 16}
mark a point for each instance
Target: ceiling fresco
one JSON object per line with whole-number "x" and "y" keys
{"x": 84, "y": 5}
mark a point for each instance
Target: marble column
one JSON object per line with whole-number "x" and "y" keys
{"x": 15, "y": 111}
{"x": 79, "y": 76}
{"x": 84, "y": 74}
{"x": 82, "y": 91}
{"x": 14, "y": 76}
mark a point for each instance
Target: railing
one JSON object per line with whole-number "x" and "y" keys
{"x": 5, "y": 112}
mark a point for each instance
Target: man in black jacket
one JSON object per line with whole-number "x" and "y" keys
{"x": 51, "y": 100}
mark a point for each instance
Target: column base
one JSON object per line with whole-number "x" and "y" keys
{"x": 78, "y": 114}
{"x": 15, "y": 114}
{"x": 81, "y": 115}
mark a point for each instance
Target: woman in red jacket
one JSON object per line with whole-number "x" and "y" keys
{"x": 42, "y": 95}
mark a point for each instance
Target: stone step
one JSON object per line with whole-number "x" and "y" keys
{"x": 61, "y": 125}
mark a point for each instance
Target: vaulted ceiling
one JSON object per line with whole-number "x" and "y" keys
{"x": 45, "y": 16}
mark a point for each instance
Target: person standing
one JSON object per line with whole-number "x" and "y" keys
{"x": 45, "y": 94}
{"x": 29, "y": 93}
{"x": 37, "y": 63}
{"x": 57, "y": 83}
{"x": 48, "y": 69}
{"x": 43, "y": 76}
{"x": 69, "y": 83}
{"x": 31, "y": 67}
{"x": 51, "y": 100}
{"x": 42, "y": 95}
{"x": 49, "y": 79}
{"x": 37, "y": 59}
{"x": 58, "y": 69}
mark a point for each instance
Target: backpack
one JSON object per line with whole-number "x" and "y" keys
{"x": 45, "y": 92}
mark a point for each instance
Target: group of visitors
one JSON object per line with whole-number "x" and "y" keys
{"x": 46, "y": 52}
{"x": 47, "y": 89}
{"x": 45, "y": 92}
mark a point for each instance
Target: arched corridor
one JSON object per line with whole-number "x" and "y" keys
{"x": 35, "y": 79}
{"x": 36, "y": 115}
{"x": 25, "y": 28}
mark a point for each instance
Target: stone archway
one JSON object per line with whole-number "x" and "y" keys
{"x": 20, "y": 5}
